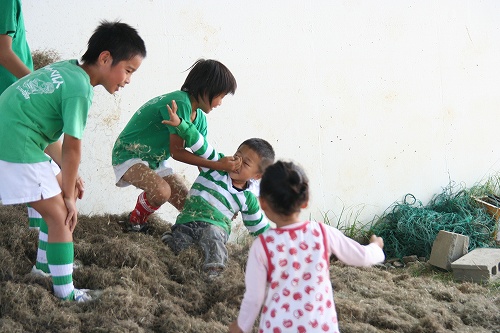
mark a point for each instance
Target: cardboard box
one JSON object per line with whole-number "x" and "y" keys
{"x": 492, "y": 205}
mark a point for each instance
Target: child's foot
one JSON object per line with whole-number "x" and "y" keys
{"x": 167, "y": 238}
{"x": 214, "y": 273}
{"x": 86, "y": 295}
{"x": 133, "y": 227}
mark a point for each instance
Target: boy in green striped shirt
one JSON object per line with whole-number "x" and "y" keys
{"x": 216, "y": 197}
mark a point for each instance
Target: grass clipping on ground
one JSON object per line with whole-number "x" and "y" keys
{"x": 149, "y": 289}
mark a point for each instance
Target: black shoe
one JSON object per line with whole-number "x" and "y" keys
{"x": 213, "y": 273}
{"x": 133, "y": 227}
{"x": 167, "y": 238}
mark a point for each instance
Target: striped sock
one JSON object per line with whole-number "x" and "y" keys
{"x": 34, "y": 218}
{"x": 142, "y": 210}
{"x": 41, "y": 256}
{"x": 60, "y": 257}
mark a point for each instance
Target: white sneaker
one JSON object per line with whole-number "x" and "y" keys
{"x": 86, "y": 295}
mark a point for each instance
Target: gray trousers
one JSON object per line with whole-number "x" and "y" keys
{"x": 211, "y": 238}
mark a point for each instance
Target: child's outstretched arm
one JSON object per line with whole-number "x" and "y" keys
{"x": 351, "y": 252}
{"x": 204, "y": 155}
{"x": 253, "y": 217}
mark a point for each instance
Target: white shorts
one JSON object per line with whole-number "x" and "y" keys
{"x": 27, "y": 182}
{"x": 55, "y": 167}
{"x": 163, "y": 170}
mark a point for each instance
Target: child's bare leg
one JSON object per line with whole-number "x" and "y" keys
{"x": 60, "y": 249}
{"x": 54, "y": 212}
{"x": 179, "y": 191}
{"x": 157, "y": 190}
{"x": 156, "y": 193}
{"x": 35, "y": 219}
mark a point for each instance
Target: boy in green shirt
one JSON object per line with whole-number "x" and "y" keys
{"x": 216, "y": 197}
{"x": 15, "y": 62}
{"x": 35, "y": 111}
{"x": 142, "y": 150}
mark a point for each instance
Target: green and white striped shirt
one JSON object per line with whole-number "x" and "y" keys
{"x": 212, "y": 197}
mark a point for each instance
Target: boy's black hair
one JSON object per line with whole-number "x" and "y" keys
{"x": 209, "y": 77}
{"x": 285, "y": 187}
{"x": 121, "y": 40}
{"x": 263, "y": 149}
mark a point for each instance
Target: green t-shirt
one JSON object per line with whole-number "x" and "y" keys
{"x": 145, "y": 137}
{"x": 39, "y": 107}
{"x": 12, "y": 24}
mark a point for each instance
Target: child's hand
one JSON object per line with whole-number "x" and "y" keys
{"x": 234, "y": 328}
{"x": 72, "y": 216}
{"x": 230, "y": 163}
{"x": 174, "y": 118}
{"x": 378, "y": 240}
{"x": 79, "y": 188}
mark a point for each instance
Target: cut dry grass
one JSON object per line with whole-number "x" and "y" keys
{"x": 44, "y": 57}
{"x": 149, "y": 289}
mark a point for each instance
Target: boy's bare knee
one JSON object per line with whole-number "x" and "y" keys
{"x": 160, "y": 195}
{"x": 179, "y": 191}
{"x": 178, "y": 200}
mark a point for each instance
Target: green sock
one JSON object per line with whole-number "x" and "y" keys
{"x": 34, "y": 217}
{"x": 41, "y": 256}
{"x": 60, "y": 257}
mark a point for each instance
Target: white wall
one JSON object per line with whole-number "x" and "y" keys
{"x": 375, "y": 99}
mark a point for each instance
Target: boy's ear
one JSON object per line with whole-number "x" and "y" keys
{"x": 257, "y": 176}
{"x": 304, "y": 205}
{"x": 104, "y": 57}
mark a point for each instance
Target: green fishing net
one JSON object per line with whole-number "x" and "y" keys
{"x": 410, "y": 228}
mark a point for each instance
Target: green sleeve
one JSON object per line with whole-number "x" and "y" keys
{"x": 197, "y": 142}
{"x": 253, "y": 217}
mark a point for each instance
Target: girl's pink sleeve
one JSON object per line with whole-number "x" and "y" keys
{"x": 256, "y": 285}
{"x": 351, "y": 252}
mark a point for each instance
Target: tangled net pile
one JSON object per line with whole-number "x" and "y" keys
{"x": 410, "y": 228}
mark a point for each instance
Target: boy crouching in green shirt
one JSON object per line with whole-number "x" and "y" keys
{"x": 216, "y": 197}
